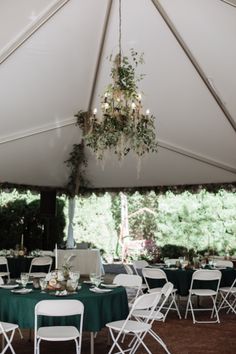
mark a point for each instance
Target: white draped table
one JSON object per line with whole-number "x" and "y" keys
{"x": 84, "y": 260}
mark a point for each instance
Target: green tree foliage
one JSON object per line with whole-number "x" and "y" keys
{"x": 93, "y": 222}
{"x": 20, "y": 215}
{"x": 200, "y": 221}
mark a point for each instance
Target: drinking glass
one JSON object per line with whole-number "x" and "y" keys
{"x": 92, "y": 277}
{"x": 97, "y": 280}
{"x": 73, "y": 285}
{"x": 74, "y": 276}
{"x": 24, "y": 277}
{"x": 43, "y": 284}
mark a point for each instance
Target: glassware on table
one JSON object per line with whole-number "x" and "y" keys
{"x": 97, "y": 280}
{"x": 74, "y": 284}
{"x": 43, "y": 284}
{"x": 74, "y": 276}
{"x": 24, "y": 277}
{"x": 92, "y": 277}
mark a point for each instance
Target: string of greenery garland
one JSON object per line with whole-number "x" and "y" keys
{"x": 88, "y": 190}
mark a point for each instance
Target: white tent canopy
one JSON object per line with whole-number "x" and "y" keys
{"x": 53, "y": 58}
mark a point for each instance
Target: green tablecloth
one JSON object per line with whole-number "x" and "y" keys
{"x": 99, "y": 308}
{"x": 181, "y": 279}
{"x": 18, "y": 265}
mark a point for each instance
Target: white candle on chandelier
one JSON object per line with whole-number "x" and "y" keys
{"x": 95, "y": 112}
{"x": 106, "y": 106}
{"x": 147, "y": 112}
{"x": 133, "y": 106}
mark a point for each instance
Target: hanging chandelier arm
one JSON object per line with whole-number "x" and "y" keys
{"x": 194, "y": 62}
{"x": 100, "y": 51}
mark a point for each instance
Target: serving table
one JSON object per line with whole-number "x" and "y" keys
{"x": 84, "y": 260}
{"x": 99, "y": 308}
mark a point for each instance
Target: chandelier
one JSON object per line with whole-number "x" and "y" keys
{"x": 120, "y": 124}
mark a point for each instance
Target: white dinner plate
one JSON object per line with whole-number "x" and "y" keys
{"x": 109, "y": 286}
{"x": 100, "y": 291}
{"x": 28, "y": 282}
{"x": 21, "y": 291}
{"x": 9, "y": 286}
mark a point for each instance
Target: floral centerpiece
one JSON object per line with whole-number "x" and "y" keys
{"x": 63, "y": 279}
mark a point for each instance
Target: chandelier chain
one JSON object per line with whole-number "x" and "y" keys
{"x": 119, "y": 32}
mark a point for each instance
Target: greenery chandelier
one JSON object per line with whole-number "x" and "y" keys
{"x": 120, "y": 125}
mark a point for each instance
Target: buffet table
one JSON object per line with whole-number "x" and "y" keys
{"x": 84, "y": 260}
{"x": 99, "y": 308}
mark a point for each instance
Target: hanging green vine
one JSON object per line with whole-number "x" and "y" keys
{"x": 76, "y": 163}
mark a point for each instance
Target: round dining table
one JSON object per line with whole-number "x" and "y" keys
{"x": 181, "y": 278}
{"x": 99, "y": 308}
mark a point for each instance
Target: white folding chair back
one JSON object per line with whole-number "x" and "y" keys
{"x": 228, "y": 297}
{"x": 132, "y": 283}
{"x": 10, "y": 328}
{"x": 128, "y": 269}
{"x": 203, "y": 275}
{"x": 58, "y": 308}
{"x": 221, "y": 263}
{"x": 154, "y": 273}
{"x": 159, "y": 274}
{"x": 171, "y": 261}
{"x": 130, "y": 326}
{"x": 139, "y": 265}
{"x": 4, "y": 264}
{"x": 44, "y": 261}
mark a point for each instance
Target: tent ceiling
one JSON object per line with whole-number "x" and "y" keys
{"x": 50, "y": 77}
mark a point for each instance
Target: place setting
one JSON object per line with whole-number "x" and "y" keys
{"x": 20, "y": 287}
{"x": 97, "y": 285}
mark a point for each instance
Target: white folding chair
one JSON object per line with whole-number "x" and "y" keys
{"x": 171, "y": 261}
{"x": 10, "y": 328}
{"x": 198, "y": 288}
{"x": 132, "y": 283}
{"x": 157, "y": 314}
{"x": 128, "y": 269}
{"x": 4, "y": 264}
{"x": 131, "y": 326}
{"x": 58, "y": 308}
{"x": 151, "y": 274}
{"x": 44, "y": 261}
{"x": 139, "y": 265}
{"x": 222, "y": 263}
{"x": 228, "y": 297}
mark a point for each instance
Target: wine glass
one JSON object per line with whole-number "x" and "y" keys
{"x": 92, "y": 277}
{"x": 97, "y": 280}
{"x": 73, "y": 284}
{"x": 74, "y": 276}
{"x": 43, "y": 284}
{"x": 24, "y": 277}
